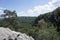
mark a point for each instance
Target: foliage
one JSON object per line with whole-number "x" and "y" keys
{"x": 53, "y": 17}
{"x": 10, "y": 20}
{"x": 26, "y": 21}
{"x": 46, "y": 26}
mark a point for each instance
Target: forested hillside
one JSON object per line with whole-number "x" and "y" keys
{"x": 52, "y": 17}
{"x": 26, "y": 21}
{"x": 44, "y": 27}
{"x": 48, "y": 25}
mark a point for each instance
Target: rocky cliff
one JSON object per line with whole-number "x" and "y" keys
{"x": 7, "y": 34}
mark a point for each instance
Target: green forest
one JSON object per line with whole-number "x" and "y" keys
{"x": 44, "y": 27}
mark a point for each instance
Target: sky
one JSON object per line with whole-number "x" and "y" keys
{"x": 29, "y": 7}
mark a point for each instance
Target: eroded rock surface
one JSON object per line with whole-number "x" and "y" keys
{"x": 7, "y": 34}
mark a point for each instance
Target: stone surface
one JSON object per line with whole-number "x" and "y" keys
{"x": 7, "y": 34}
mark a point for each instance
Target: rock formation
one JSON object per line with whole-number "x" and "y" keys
{"x": 7, "y": 34}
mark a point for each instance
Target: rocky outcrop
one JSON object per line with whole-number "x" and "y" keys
{"x": 7, "y": 34}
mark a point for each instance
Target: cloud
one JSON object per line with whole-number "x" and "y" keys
{"x": 1, "y": 10}
{"x": 40, "y": 9}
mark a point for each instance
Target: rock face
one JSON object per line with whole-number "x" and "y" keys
{"x": 7, "y": 34}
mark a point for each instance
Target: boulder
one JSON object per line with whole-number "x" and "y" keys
{"x": 7, "y": 34}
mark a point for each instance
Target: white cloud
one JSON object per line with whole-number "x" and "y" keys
{"x": 40, "y": 9}
{"x": 1, "y": 10}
